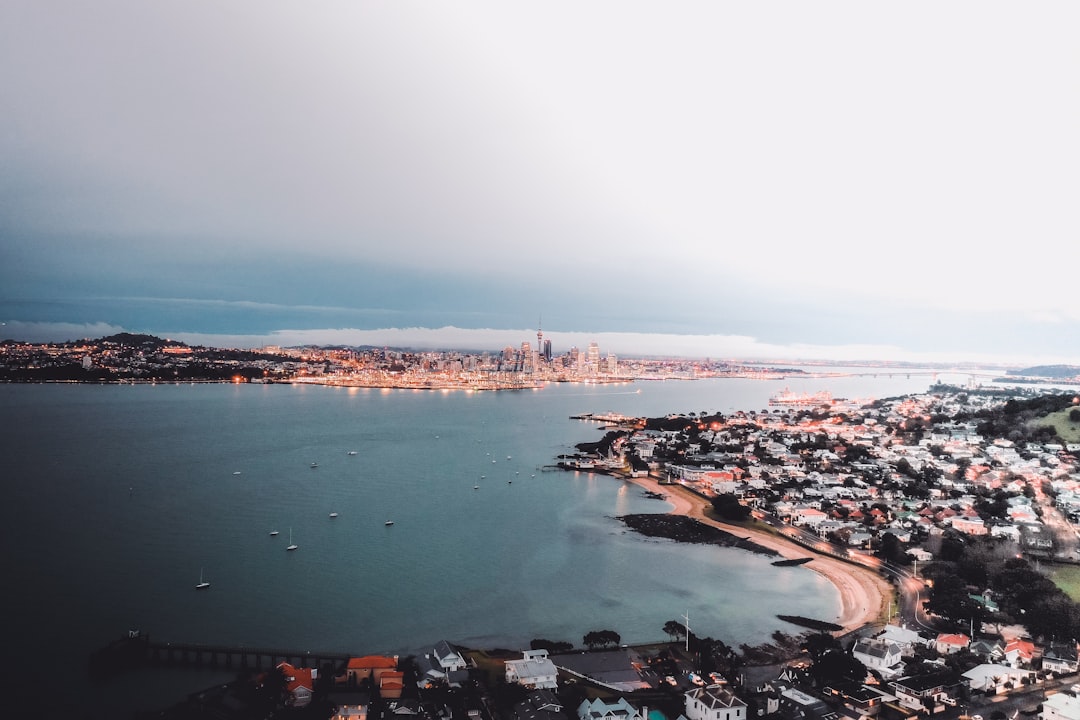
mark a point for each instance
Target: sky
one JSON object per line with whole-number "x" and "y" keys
{"x": 844, "y": 180}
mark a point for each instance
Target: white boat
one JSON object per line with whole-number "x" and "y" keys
{"x": 236, "y": 473}
{"x": 203, "y": 584}
{"x": 389, "y": 522}
{"x": 351, "y": 452}
{"x": 333, "y": 515}
{"x": 292, "y": 545}
{"x": 314, "y": 465}
{"x": 273, "y": 533}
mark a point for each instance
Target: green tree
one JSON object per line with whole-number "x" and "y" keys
{"x": 728, "y": 507}
{"x": 675, "y": 629}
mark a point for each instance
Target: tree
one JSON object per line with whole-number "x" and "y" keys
{"x": 675, "y": 629}
{"x": 728, "y": 507}
{"x": 602, "y": 638}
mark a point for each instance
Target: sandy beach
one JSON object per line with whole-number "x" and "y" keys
{"x": 864, "y": 595}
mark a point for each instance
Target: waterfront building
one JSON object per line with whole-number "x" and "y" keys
{"x": 534, "y": 670}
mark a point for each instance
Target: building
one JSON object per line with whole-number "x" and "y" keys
{"x": 714, "y": 702}
{"x": 597, "y": 709}
{"x": 534, "y": 670}
{"x": 1061, "y": 706}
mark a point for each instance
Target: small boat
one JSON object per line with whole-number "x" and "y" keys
{"x": 236, "y": 472}
{"x": 273, "y": 533}
{"x": 388, "y": 523}
{"x": 351, "y": 452}
{"x": 475, "y": 487}
{"x": 314, "y": 465}
{"x": 292, "y": 545}
{"x": 203, "y": 584}
{"x": 333, "y": 515}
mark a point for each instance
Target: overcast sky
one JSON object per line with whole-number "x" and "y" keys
{"x": 780, "y": 179}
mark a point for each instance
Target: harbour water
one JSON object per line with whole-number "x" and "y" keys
{"x": 118, "y": 497}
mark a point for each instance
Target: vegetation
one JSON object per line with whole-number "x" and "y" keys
{"x": 601, "y": 638}
{"x": 970, "y": 569}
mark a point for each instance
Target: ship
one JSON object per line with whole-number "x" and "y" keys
{"x": 786, "y": 397}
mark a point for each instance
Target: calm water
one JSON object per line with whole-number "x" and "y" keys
{"x": 117, "y": 497}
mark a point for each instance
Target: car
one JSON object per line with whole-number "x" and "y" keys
{"x": 670, "y": 680}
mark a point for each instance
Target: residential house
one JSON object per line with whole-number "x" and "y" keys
{"x": 925, "y": 692}
{"x": 349, "y": 705}
{"x": 861, "y": 700}
{"x": 949, "y": 643}
{"x": 714, "y": 702}
{"x": 443, "y": 664}
{"x": 1061, "y": 658}
{"x": 391, "y": 683}
{"x": 539, "y": 705}
{"x": 797, "y": 705}
{"x": 597, "y": 709}
{"x": 299, "y": 684}
{"x": 358, "y": 669}
{"x": 1019, "y": 652}
{"x": 988, "y": 650}
{"x": 534, "y": 670}
{"x": 877, "y": 654}
{"x": 905, "y": 638}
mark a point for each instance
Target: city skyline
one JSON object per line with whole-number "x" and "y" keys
{"x": 714, "y": 180}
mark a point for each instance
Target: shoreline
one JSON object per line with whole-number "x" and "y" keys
{"x": 864, "y": 596}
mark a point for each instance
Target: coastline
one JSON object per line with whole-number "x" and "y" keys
{"x": 864, "y": 596}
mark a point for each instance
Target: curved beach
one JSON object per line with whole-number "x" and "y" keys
{"x": 864, "y": 595}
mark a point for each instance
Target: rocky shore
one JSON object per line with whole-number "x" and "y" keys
{"x": 686, "y": 529}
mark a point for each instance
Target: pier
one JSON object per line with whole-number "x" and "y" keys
{"x": 139, "y": 650}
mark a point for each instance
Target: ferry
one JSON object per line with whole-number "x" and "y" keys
{"x": 786, "y": 397}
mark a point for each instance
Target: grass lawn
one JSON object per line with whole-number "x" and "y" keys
{"x": 1068, "y": 431}
{"x": 1067, "y": 577}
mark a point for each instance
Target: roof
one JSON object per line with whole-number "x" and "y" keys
{"x": 372, "y": 661}
{"x": 715, "y": 696}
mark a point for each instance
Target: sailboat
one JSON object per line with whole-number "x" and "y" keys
{"x": 203, "y": 584}
{"x": 292, "y": 545}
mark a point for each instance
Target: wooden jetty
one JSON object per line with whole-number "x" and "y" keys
{"x": 138, "y": 650}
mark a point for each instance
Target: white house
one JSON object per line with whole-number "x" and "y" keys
{"x": 534, "y": 670}
{"x": 994, "y": 678}
{"x": 878, "y": 654}
{"x": 714, "y": 702}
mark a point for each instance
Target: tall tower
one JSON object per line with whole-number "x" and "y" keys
{"x": 539, "y": 337}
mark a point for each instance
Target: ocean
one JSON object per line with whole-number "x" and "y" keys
{"x": 118, "y": 497}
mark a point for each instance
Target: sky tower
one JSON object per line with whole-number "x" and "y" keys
{"x": 539, "y": 337}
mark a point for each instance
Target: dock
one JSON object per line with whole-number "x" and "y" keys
{"x": 138, "y": 650}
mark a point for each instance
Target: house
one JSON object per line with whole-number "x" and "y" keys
{"x": 714, "y": 702}
{"x": 878, "y": 654}
{"x": 443, "y": 664}
{"x": 597, "y": 709}
{"x": 391, "y": 683}
{"x": 797, "y": 705}
{"x": 926, "y": 692}
{"x": 907, "y": 639}
{"x": 1019, "y": 652}
{"x": 1060, "y": 706}
{"x": 990, "y": 651}
{"x": 349, "y": 705}
{"x": 861, "y": 700}
{"x": 534, "y": 670}
{"x": 539, "y": 705}
{"x": 358, "y": 669}
{"x": 949, "y": 643}
{"x": 1061, "y": 658}
{"x": 995, "y": 678}
{"x": 299, "y": 684}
